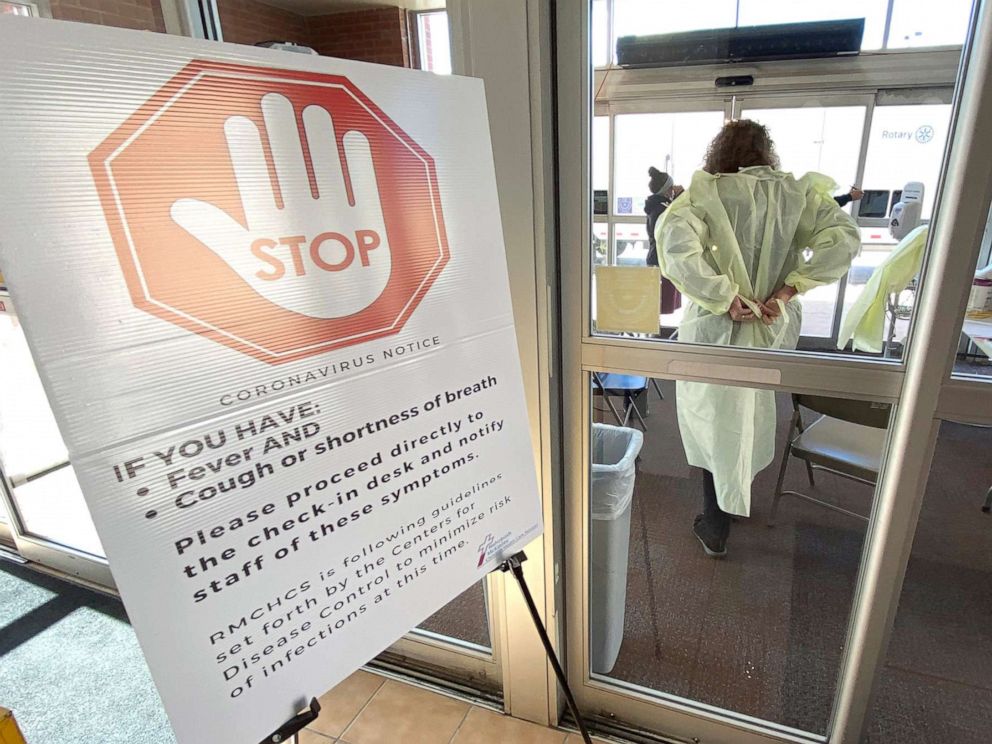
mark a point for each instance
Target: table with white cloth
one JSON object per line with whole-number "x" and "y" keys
{"x": 979, "y": 330}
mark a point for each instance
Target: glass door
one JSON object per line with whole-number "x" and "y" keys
{"x": 783, "y": 637}
{"x": 46, "y": 518}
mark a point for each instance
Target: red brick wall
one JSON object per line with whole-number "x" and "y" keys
{"x": 378, "y": 35}
{"x": 139, "y": 14}
{"x": 249, "y": 22}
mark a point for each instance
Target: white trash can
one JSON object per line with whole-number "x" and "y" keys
{"x": 614, "y": 451}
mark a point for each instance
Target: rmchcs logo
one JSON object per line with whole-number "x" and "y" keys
{"x": 280, "y": 213}
{"x": 492, "y": 546}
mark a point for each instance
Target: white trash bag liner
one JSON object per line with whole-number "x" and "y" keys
{"x": 614, "y": 452}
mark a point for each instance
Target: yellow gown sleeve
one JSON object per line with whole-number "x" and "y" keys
{"x": 682, "y": 238}
{"x": 828, "y": 232}
{"x": 864, "y": 322}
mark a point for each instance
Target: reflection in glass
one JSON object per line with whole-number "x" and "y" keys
{"x": 761, "y": 631}
{"x": 935, "y": 685}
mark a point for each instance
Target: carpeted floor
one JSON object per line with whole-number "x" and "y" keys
{"x": 762, "y": 632}
{"x": 70, "y": 666}
{"x": 463, "y": 618}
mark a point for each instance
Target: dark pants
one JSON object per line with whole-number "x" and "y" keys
{"x": 718, "y": 519}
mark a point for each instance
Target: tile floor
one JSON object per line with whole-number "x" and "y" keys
{"x": 369, "y": 709}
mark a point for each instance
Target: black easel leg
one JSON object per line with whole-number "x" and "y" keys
{"x": 513, "y": 565}
{"x": 288, "y": 731}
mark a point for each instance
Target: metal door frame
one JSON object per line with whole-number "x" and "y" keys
{"x": 922, "y": 390}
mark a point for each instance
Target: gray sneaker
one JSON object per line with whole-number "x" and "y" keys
{"x": 713, "y": 543}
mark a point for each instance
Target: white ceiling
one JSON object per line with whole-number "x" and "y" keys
{"x": 320, "y": 7}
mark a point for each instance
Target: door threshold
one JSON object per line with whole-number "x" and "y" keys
{"x": 9, "y": 555}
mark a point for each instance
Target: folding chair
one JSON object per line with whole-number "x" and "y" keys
{"x": 847, "y": 440}
{"x": 628, "y": 387}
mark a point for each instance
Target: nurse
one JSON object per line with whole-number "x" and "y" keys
{"x": 740, "y": 244}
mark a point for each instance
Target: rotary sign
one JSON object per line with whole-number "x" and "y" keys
{"x": 310, "y": 220}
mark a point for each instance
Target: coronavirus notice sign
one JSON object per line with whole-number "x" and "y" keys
{"x": 267, "y": 295}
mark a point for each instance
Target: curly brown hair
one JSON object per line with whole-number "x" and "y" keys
{"x": 740, "y": 144}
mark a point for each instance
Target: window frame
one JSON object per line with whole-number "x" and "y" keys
{"x": 413, "y": 33}
{"x": 884, "y": 49}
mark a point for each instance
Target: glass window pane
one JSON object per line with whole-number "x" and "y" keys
{"x": 920, "y": 23}
{"x": 600, "y": 153}
{"x": 825, "y": 140}
{"x": 600, "y": 243}
{"x": 974, "y": 357}
{"x": 935, "y": 684}
{"x": 599, "y": 33}
{"x": 632, "y": 244}
{"x": 876, "y": 248}
{"x": 819, "y": 306}
{"x": 17, "y": 9}
{"x": 52, "y": 507}
{"x": 822, "y": 139}
{"x": 30, "y": 441}
{"x": 975, "y": 350}
{"x": 675, "y": 143}
{"x": 645, "y": 17}
{"x": 432, "y": 37}
{"x": 906, "y": 144}
{"x": 761, "y": 632}
{"x": 763, "y": 12}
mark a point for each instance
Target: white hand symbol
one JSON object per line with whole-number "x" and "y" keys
{"x": 317, "y": 256}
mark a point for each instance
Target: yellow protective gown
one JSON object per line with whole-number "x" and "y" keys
{"x": 748, "y": 234}
{"x": 865, "y": 321}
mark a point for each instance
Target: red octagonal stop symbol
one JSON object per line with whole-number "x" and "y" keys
{"x": 280, "y": 213}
